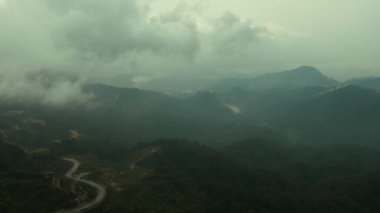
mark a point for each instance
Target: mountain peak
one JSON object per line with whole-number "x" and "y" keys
{"x": 299, "y": 77}
{"x": 302, "y": 76}
{"x": 300, "y": 73}
{"x": 306, "y": 69}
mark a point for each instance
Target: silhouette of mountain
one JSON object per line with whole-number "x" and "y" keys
{"x": 369, "y": 83}
{"x": 300, "y": 77}
{"x": 346, "y": 115}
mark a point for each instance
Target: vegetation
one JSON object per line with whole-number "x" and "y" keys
{"x": 26, "y": 181}
{"x": 258, "y": 175}
{"x": 293, "y": 148}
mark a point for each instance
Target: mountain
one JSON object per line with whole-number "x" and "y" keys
{"x": 312, "y": 114}
{"x": 227, "y": 84}
{"x": 300, "y": 77}
{"x": 9, "y": 155}
{"x": 346, "y": 115}
{"x": 258, "y": 175}
{"x": 144, "y": 115}
{"x": 207, "y": 105}
{"x": 178, "y": 85}
{"x": 295, "y": 150}
{"x": 182, "y": 176}
{"x": 126, "y": 116}
{"x": 202, "y": 104}
{"x": 131, "y": 98}
{"x": 27, "y": 181}
{"x": 369, "y": 83}
{"x": 253, "y": 103}
{"x": 326, "y": 177}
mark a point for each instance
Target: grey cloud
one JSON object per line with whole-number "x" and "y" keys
{"x": 110, "y": 29}
{"x": 41, "y": 89}
{"x": 232, "y": 35}
{"x": 113, "y": 41}
{"x": 237, "y": 33}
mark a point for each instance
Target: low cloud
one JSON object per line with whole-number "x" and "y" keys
{"x": 122, "y": 42}
{"x": 42, "y": 88}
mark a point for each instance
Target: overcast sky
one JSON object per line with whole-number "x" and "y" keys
{"x": 130, "y": 42}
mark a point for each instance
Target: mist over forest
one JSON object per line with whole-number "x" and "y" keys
{"x": 189, "y": 106}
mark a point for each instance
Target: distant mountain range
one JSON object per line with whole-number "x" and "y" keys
{"x": 369, "y": 83}
{"x": 291, "y": 79}
{"x": 129, "y": 115}
{"x": 346, "y": 115}
{"x": 303, "y": 102}
{"x": 294, "y": 140}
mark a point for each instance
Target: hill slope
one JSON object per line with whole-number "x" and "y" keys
{"x": 300, "y": 77}
{"x": 350, "y": 114}
{"x": 369, "y": 83}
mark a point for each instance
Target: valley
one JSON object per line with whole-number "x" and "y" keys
{"x": 304, "y": 149}
{"x": 180, "y": 106}
{"x": 100, "y": 190}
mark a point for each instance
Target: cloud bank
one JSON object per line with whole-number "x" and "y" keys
{"x": 130, "y": 43}
{"x": 114, "y": 41}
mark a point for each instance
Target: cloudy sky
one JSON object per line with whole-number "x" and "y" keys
{"x": 135, "y": 42}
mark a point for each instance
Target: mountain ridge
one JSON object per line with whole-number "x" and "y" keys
{"x": 290, "y": 79}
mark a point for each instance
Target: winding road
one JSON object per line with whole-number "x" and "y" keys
{"x": 101, "y": 190}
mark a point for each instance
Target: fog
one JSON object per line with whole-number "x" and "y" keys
{"x": 176, "y": 45}
{"x": 265, "y": 106}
